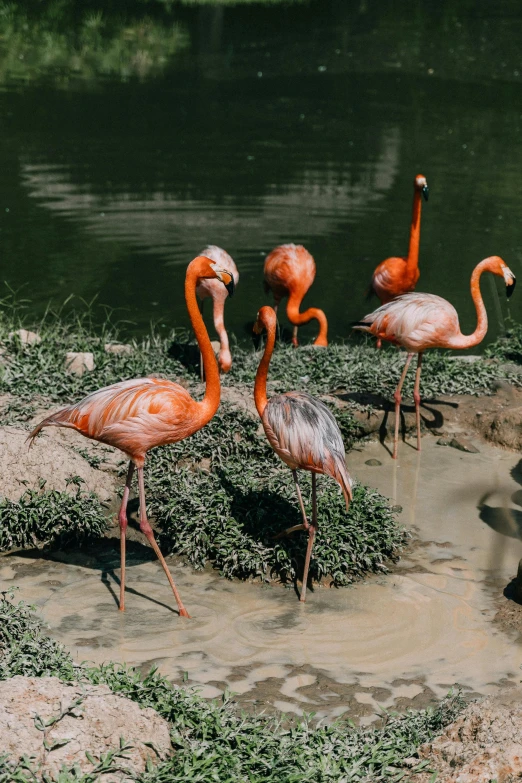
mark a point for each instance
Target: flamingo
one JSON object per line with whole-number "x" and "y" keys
{"x": 418, "y": 321}
{"x": 396, "y": 276}
{"x": 142, "y": 413}
{"x": 302, "y": 432}
{"x": 212, "y": 288}
{"x": 290, "y": 271}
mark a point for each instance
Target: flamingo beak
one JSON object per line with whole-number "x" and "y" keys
{"x": 425, "y": 192}
{"x": 511, "y": 287}
{"x": 230, "y": 286}
{"x": 510, "y": 280}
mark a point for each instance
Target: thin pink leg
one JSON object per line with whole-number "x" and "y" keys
{"x": 398, "y": 399}
{"x": 416, "y": 397}
{"x": 147, "y": 531}
{"x": 311, "y": 536}
{"x": 295, "y": 341}
{"x": 305, "y": 524}
{"x": 201, "y": 368}
{"x": 122, "y": 518}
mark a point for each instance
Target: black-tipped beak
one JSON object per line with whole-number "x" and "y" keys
{"x": 425, "y": 192}
{"x": 511, "y": 287}
{"x": 230, "y": 287}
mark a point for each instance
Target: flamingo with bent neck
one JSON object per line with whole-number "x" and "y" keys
{"x": 396, "y": 275}
{"x": 140, "y": 414}
{"x": 303, "y": 433}
{"x": 418, "y": 321}
{"x": 219, "y": 294}
{"x": 290, "y": 271}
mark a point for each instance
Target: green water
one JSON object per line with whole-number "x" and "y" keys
{"x": 133, "y": 134}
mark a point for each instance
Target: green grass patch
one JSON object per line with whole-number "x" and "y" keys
{"x": 509, "y": 347}
{"x": 223, "y": 495}
{"x": 213, "y": 741}
{"x": 50, "y": 518}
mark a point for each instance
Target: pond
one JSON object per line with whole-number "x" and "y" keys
{"x": 136, "y": 133}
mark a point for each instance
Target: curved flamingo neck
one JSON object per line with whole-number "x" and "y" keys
{"x": 469, "y": 340}
{"x": 412, "y": 261}
{"x": 225, "y": 359}
{"x": 262, "y": 371}
{"x": 297, "y": 318}
{"x": 210, "y": 402}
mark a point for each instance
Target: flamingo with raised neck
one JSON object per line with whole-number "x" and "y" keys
{"x": 140, "y": 414}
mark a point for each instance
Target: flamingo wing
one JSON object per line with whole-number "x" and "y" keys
{"x": 305, "y": 435}
{"x": 133, "y": 415}
{"x": 414, "y": 320}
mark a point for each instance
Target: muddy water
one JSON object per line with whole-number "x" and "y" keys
{"x": 397, "y": 640}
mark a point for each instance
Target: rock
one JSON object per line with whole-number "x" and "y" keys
{"x": 50, "y": 458}
{"x": 482, "y": 745}
{"x": 119, "y": 349}
{"x": 87, "y": 717}
{"x": 503, "y": 427}
{"x": 368, "y": 422}
{"x": 216, "y": 346}
{"x": 467, "y": 359}
{"x": 444, "y": 441}
{"x": 26, "y": 337}
{"x": 373, "y": 463}
{"x": 78, "y": 363}
{"x": 463, "y": 445}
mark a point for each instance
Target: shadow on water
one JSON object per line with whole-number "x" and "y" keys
{"x": 504, "y": 520}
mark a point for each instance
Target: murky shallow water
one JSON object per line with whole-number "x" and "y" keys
{"x": 395, "y": 640}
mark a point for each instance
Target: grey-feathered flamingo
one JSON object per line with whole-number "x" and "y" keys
{"x": 302, "y": 432}
{"x": 418, "y": 321}
{"x": 218, "y": 293}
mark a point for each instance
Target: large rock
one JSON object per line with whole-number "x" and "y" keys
{"x": 484, "y": 744}
{"x": 78, "y": 363}
{"x": 55, "y": 724}
{"x": 504, "y": 427}
{"x": 51, "y": 458}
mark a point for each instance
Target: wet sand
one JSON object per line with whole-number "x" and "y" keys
{"x": 393, "y": 641}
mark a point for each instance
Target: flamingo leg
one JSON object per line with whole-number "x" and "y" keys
{"x": 304, "y": 524}
{"x": 416, "y": 397}
{"x": 398, "y": 399}
{"x": 147, "y": 531}
{"x": 122, "y": 518}
{"x": 311, "y": 536}
{"x": 295, "y": 341}
{"x": 201, "y": 368}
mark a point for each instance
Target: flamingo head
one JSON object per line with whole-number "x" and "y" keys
{"x": 498, "y": 266}
{"x": 266, "y": 319}
{"x": 225, "y": 277}
{"x": 421, "y": 184}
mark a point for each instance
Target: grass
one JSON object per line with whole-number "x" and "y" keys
{"x": 509, "y": 347}
{"x": 213, "y": 741}
{"x": 48, "y": 518}
{"x": 223, "y": 495}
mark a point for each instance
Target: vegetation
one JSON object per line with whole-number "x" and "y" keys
{"x": 213, "y": 741}
{"x": 223, "y": 496}
{"x": 509, "y": 347}
{"x": 50, "y": 518}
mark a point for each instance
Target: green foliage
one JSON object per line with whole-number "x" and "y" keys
{"x": 213, "y": 742}
{"x": 509, "y": 347}
{"x": 49, "y": 518}
{"x": 235, "y": 495}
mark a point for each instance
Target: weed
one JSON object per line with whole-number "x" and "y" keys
{"x": 49, "y": 518}
{"x": 509, "y": 347}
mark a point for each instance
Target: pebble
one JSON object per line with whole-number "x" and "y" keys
{"x": 396, "y": 509}
{"x": 118, "y": 348}
{"x": 26, "y": 337}
{"x": 373, "y": 463}
{"x": 78, "y": 363}
{"x": 458, "y": 443}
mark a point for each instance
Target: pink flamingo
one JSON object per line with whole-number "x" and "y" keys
{"x": 290, "y": 271}
{"x": 418, "y": 321}
{"x": 302, "y": 432}
{"x": 396, "y": 276}
{"x": 137, "y": 415}
{"x": 218, "y": 293}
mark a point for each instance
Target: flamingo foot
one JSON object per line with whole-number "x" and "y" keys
{"x": 292, "y": 529}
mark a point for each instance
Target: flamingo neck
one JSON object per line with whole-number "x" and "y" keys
{"x": 210, "y": 402}
{"x": 469, "y": 340}
{"x": 412, "y": 261}
{"x": 225, "y": 359}
{"x": 262, "y": 371}
{"x": 297, "y": 318}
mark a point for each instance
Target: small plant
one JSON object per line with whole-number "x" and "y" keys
{"x": 509, "y": 347}
{"x": 48, "y": 518}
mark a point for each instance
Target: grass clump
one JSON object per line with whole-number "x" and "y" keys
{"x": 50, "y": 518}
{"x": 223, "y": 495}
{"x": 509, "y": 347}
{"x": 215, "y": 743}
